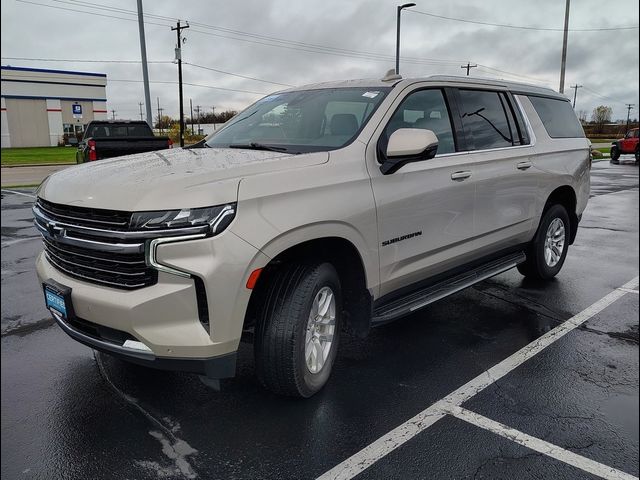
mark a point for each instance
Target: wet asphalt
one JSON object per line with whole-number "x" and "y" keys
{"x": 67, "y": 414}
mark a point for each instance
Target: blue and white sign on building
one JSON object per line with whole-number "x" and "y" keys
{"x": 77, "y": 110}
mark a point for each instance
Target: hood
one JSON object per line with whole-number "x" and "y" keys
{"x": 167, "y": 179}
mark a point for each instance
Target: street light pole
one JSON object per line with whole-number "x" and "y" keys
{"x": 400, "y": 8}
{"x": 563, "y": 63}
{"x": 145, "y": 70}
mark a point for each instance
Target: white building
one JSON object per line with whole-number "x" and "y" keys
{"x": 40, "y": 106}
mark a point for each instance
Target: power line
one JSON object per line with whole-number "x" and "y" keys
{"x": 526, "y": 27}
{"x": 237, "y": 75}
{"x": 266, "y": 41}
{"x": 604, "y": 97}
{"x": 77, "y": 60}
{"x": 159, "y": 62}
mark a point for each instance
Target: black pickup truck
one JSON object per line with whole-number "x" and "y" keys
{"x": 114, "y": 138}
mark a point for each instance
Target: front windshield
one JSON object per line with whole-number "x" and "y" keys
{"x": 301, "y": 121}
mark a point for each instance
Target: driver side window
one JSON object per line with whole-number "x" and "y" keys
{"x": 427, "y": 110}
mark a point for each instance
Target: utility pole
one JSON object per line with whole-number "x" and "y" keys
{"x": 145, "y": 70}
{"x": 575, "y": 93}
{"x": 629, "y": 108}
{"x": 198, "y": 116}
{"x": 400, "y": 8}
{"x": 468, "y": 66}
{"x": 161, "y": 122}
{"x": 213, "y": 115}
{"x": 113, "y": 114}
{"x": 563, "y": 63}
{"x": 178, "y": 28}
{"x": 140, "y": 105}
{"x": 191, "y": 118}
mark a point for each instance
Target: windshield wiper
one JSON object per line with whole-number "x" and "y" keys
{"x": 258, "y": 146}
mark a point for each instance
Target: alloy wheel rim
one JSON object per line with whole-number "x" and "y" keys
{"x": 554, "y": 242}
{"x": 320, "y": 330}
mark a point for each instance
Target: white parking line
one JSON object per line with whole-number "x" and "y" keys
{"x": 4, "y": 190}
{"x": 384, "y": 445}
{"x": 629, "y": 290}
{"x": 541, "y": 446}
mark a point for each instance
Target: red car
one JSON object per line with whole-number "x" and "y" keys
{"x": 628, "y": 144}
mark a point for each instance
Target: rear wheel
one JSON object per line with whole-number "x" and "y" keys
{"x": 548, "y": 250}
{"x": 615, "y": 155}
{"x": 637, "y": 154}
{"x": 297, "y": 335}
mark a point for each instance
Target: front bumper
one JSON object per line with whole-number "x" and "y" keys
{"x": 223, "y": 366}
{"x": 164, "y": 317}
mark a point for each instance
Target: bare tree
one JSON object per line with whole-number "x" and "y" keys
{"x": 600, "y": 116}
{"x": 582, "y": 115}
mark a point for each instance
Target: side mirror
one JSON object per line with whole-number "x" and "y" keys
{"x": 408, "y": 145}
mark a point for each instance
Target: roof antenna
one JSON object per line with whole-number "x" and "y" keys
{"x": 391, "y": 75}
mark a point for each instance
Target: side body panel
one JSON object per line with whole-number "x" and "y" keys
{"x": 279, "y": 210}
{"x": 506, "y": 195}
{"x": 422, "y": 202}
{"x": 558, "y": 162}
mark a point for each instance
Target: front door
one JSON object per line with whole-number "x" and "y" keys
{"x": 425, "y": 210}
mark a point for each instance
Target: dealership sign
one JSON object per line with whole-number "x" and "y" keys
{"x": 77, "y": 110}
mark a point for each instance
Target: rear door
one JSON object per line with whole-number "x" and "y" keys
{"x": 502, "y": 157}
{"x": 425, "y": 209}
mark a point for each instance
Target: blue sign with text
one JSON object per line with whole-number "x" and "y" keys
{"x": 77, "y": 109}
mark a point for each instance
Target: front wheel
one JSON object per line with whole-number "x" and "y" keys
{"x": 297, "y": 335}
{"x": 548, "y": 250}
{"x": 637, "y": 154}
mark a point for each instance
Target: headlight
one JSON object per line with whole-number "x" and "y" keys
{"x": 216, "y": 219}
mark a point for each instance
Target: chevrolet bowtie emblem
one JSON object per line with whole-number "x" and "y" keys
{"x": 54, "y": 229}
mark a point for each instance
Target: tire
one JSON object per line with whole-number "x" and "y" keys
{"x": 538, "y": 265}
{"x": 283, "y": 363}
{"x": 615, "y": 155}
{"x": 637, "y": 155}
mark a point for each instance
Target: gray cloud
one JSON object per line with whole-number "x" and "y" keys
{"x": 605, "y": 62}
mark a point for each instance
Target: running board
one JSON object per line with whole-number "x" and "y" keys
{"x": 421, "y": 298}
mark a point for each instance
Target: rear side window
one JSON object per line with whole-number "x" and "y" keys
{"x": 484, "y": 120}
{"x": 558, "y": 117}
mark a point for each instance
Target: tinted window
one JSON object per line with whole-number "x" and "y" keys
{"x": 118, "y": 130}
{"x": 558, "y": 117}
{"x": 484, "y": 120}
{"x": 303, "y": 120}
{"x": 425, "y": 109}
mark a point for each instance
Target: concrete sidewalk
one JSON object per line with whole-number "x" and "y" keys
{"x": 12, "y": 176}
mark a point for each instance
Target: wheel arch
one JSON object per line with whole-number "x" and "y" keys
{"x": 565, "y": 195}
{"x": 346, "y": 259}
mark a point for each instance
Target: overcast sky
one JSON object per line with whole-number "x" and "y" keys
{"x": 297, "y": 42}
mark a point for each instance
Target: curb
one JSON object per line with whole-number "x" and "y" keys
{"x": 22, "y": 185}
{"x": 38, "y": 165}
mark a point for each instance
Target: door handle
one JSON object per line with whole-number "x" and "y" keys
{"x": 524, "y": 165}
{"x": 459, "y": 176}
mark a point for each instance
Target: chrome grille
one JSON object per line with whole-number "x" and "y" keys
{"x": 94, "y": 245}
{"x": 111, "y": 219}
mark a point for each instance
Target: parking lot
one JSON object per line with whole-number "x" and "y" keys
{"x": 507, "y": 379}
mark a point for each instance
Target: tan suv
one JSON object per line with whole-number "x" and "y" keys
{"x": 330, "y": 207}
